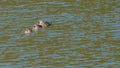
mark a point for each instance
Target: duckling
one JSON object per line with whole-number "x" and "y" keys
{"x": 44, "y": 24}
{"x": 27, "y": 31}
{"x": 37, "y": 27}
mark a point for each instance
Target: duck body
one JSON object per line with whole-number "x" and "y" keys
{"x": 28, "y": 30}
{"x": 44, "y": 24}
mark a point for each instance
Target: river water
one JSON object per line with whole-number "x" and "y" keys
{"x": 84, "y": 34}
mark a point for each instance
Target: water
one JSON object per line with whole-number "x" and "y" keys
{"x": 84, "y": 34}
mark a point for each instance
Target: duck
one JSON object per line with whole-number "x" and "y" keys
{"x": 44, "y": 24}
{"x": 37, "y": 27}
{"x": 28, "y": 30}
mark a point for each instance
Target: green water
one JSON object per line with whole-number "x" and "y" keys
{"x": 84, "y": 34}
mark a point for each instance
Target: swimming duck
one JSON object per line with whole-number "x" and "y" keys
{"x": 27, "y": 31}
{"x": 37, "y": 27}
{"x": 44, "y": 24}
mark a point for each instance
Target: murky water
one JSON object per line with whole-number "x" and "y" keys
{"x": 84, "y": 34}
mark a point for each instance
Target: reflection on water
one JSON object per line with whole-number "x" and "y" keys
{"x": 84, "y": 34}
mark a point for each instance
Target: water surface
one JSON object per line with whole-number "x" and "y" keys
{"x": 84, "y": 34}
